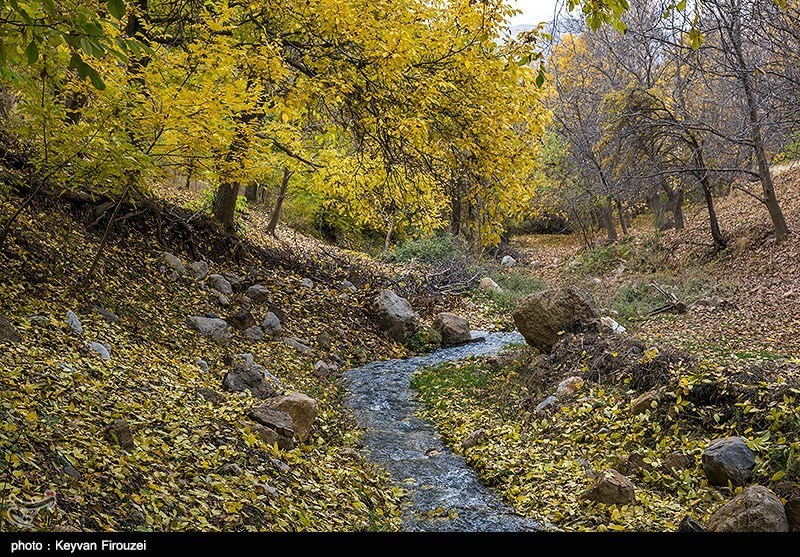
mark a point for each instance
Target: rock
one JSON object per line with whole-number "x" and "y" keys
{"x": 545, "y": 404}
{"x": 792, "y": 509}
{"x": 688, "y": 524}
{"x": 7, "y": 331}
{"x": 270, "y": 437}
{"x": 241, "y": 320}
{"x": 298, "y": 345}
{"x": 536, "y": 265}
{"x": 237, "y": 282}
{"x": 541, "y": 316}
{"x": 220, "y": 284}
{"x": 349, "y": 286}
{"x": 395, "y": 316}
{"x": 72, "y": 472}
{"x": 277, "y": 420}
{"x": 508, "y": 261}
{"x": 175, "y": 263}
{"x": 321, "y": 369}
{"x": 645, "y": 402}
{"x": 474, "y": 439}
{"x": 271, "y": 325}
{"x": 755, "y": 509}
{"x": 595, "y": 281}
{"x": 231, "y": 469}
{"x": 350, "y": 453}
{"x": 253, "y": 333}
{"x": 210, "y": 395}
{"x": 452, "y": 328}
{"x": 38, "y": 320}
{"x": 99, "y": 349}
{"x": 199, "y": 269}
{"x": 728, "y": 459}
{"x": 202, "y": 364}
{"x": 488, "y": 285}
{"x": 74, "y": 323}
{"x": 324, "y": 341}
{"x": 250, "y": 376}
{"x": 612, "y": 326}
{"x": 212, "y": 327}
{"x": 109, "y": 316}
{"x": 258, "y": 293}
{"x": 634, "y": 463}
{"x": 223, "y": 301}
{"x": 611, "y": 488}
{"x": 303, "y": 410}
{"x": 676, "y": 461}
{"x": 307, "y": 282}
{"x": 119, "y": 432}
{"x": 569, "y": 387}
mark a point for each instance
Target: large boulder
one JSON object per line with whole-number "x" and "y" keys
{"x": 454, "y": 329}
{"x": 303, "y": 410}
{"x": 212, "y": 327}
{"x": 755, "y": 509}
{"x": 728, "y": 459}
{"x": 611, "y": 488}
{"x": 542, "y": 316}
{"x": 273, "y": 418}
{"x": 250, "y": 376}
{"x": 395, "y": 316}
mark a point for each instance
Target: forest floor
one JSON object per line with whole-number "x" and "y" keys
{"x": 728, "y": 366}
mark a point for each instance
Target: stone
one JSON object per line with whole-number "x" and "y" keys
{"x": 277, "y": 420}
{"x": 72, "y": 472}
{"x": 792, "y": 509}
{"x": 38, "y": 320}
{"x": 231, "y": 469}
{"x": 487, "y": 284}
{"x": 536, "y": 265}
{"x": 199, "y": 269}
{"x": 755, "y": 509}
{"x": 220, "y": 284}
{"x": 74, "y": 323}
{"x": 254, "y": 333}
{"x": 508, "y": 261}
{"x": 676, "y": 461}
{"x": 270, "y": 437}
{"x": 271, "y": 325}
{"x": 395, "y": 316}
{"x": 569, "y": 387}
{"x": 212, "y": 327}
{"x": 109, "y": 316}
{"x": 119, "y": 432}
{"x": 7, "y": 331}
{"x": 611, "y": 488}
{"x": 99, "y": 349}
{"x": 322, "y": 369}
{"x": 174, "y": 262}
{"x": 454, "y": 329}
{"x": 728, "y": 459}
{"x": 250, "y": 376}
{"x": 474, "y": 439}
{"x": 542, "y": 316}
{"x": 307, "y": 282}
{"x": 236, "y": 281}
{"x": 258, "y": 293}
{"x": 202, "y": 364}
{"x": 689, "y": 524}
{"x": 545, "y": 404}
{"x": 223, "y": 301}
{"x": 349, "y": 286}
{"x": 210, "y": 395}
{"x": 302, "y": 409}
{"x": 324, "y": 341}
{"x": 300, "y": 346}
{"x": 645, "y": 402}
{"x": 241, "y": 320}
{"x": 610, "y": 325}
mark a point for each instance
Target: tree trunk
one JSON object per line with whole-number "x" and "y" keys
{"x": 388, "y": 241}
{"x": 716, "y": 234}
{"x": 276, "y": 211}
{"x": 608, "y": 220}
{"x": 622, "y": 220}
{"x": 677, "y": 209}
{"x": 224, "y": 205}
{"x": 657, "y": 207}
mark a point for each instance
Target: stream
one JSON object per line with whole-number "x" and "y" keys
{"x": 445, "y": 494}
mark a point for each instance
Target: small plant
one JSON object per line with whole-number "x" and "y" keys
{"x": 515, "y": 285}
{"x": 425, "y": 340}
{"x": 428, "y": 249}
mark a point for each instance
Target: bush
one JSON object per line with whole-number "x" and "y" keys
{"x": 428, "y": 249}
{"x": 425, "y": 340}
{"x": 516, "y": 285}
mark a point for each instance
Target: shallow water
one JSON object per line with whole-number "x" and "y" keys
{"x": 446, "y": 495}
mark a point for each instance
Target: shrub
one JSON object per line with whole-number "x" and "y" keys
{"x": 516, "y": 285}
{"x": 428, "y": 249}
{"x": 425, "y": 340}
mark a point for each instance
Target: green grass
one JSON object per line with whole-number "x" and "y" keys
{"x": 515, "y": 284}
